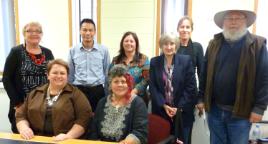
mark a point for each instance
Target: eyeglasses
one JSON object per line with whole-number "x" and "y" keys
{"x": 234, "y": 18}
{"x": 32, "y": 31}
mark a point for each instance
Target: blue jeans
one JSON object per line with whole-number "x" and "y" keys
{"x": 226, "y": 129}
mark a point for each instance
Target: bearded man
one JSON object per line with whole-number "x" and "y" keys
{"x": 234, "y": 79}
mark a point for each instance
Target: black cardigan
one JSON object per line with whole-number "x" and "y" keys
{"x": 11, "y": 76}
{"x": 136, "y": 121}
{"x": 195, "y": 50}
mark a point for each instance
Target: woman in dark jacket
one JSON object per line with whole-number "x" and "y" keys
{"x": 172, "y": 86}
{"x": 188, "y": 47}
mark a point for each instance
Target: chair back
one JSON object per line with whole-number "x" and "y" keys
{"x": 159, "y": 129}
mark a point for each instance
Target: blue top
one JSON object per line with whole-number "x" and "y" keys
{"x": 227, "y": 62}
{"x": 88, "y": 67}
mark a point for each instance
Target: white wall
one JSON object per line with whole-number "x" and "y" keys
{"x": 54, "y": 18}
{"x": 203, "y": 12}
{"x": 261, "y": 22}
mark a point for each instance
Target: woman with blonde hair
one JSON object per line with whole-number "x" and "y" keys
{"x": 25, "y": 68}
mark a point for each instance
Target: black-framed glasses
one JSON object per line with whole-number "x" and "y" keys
{"x": 33, "y": 31}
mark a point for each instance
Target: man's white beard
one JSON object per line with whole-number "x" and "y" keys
{"x": 234, "y": 35}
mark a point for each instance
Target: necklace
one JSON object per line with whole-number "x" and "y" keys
{"x": 50, "y": 101}
{"x": 37, "y": 60}
{"x": 116, "y": 103}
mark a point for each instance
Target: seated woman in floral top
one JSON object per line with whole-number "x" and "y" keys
{"x": 122, "y": 116}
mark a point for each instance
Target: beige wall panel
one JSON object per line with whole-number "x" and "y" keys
{"x": 146, "y": 44}
{"x": 53, "y": 16}
{"x": 144, "y": 39}
{"x": 113, "y": 43}
{"x": 128, "y": 9}
{"x": 138, "y": 25}
{"x": 119, "y": 16}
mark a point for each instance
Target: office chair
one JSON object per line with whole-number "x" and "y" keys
{"x": 159, "y": 130}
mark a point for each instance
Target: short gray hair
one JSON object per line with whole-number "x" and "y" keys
{"x": 168, "y": 37}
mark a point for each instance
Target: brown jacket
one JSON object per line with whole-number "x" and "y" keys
{"x": 72, "y": 107}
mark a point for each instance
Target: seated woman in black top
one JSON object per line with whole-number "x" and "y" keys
{"x": 122, "y": 116}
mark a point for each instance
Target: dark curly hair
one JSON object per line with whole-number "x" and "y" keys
{"x": 120, "y": 70}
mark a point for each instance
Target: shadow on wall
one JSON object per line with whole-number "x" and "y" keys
{"x": 4, "y": 103}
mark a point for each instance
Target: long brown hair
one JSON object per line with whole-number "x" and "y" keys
{"x": 122, "y": 54}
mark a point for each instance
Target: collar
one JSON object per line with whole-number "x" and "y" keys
{"x": 44, "y": 88}
{"x": 95, "y": 46}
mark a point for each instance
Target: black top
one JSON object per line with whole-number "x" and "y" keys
{"x": 48, "y": 123}
{"x": 115, "y": 124}
{"x": 195, "y": 50}
{"x": 21, "y": 74}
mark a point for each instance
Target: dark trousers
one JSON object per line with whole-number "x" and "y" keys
{"x": 12, "y": 118}
{"x": 93, "y": 94}
{"x": 180, "y": 130}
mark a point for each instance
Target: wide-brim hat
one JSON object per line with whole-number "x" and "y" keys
{"x": 219, "y": 17}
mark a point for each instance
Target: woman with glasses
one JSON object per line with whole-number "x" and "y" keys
{"x": 25, "y": 68}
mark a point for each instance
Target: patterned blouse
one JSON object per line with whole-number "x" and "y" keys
{"x": 32, "y": 74}
{"x": 112, "y": 123}
{"x": 139, "y": 71}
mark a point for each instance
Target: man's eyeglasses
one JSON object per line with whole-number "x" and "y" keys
{"x": 234, "y": 18}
